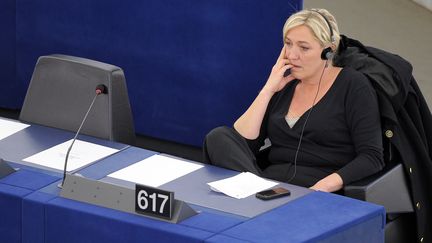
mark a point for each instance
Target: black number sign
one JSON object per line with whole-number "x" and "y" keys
{"x": 154, "y": 202}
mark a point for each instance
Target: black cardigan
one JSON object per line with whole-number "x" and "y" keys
{"x": 405, "y": 117}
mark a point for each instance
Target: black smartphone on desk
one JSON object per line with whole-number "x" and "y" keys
{"x": 273, "y": 193}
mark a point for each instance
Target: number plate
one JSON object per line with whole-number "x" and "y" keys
{"x": 154, "y": 202}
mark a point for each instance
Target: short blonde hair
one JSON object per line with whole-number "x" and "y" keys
{"x": 315, "y": 21}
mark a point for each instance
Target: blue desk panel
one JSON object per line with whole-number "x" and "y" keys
{"x": 72, "y": 221}
{"x": 28, "y": 179}
{"x": 13, "y": 189}
{"x": 10, "y": 211}
{"x": 33, "y": 216}
{"x": 316, "y": 217}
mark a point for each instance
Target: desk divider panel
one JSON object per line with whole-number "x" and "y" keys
{"x": 114, "y": 197}
{"x": 5, "y": 169}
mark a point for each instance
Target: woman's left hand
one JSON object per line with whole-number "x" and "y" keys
{"x": 330, "y": 183}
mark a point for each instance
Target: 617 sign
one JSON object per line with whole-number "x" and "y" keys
{"x": 153, "y": 202}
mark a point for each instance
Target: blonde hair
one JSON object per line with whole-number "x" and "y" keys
{"x": 315, "y": 20}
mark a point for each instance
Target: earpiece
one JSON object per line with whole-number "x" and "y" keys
{"x": 327, "y": 53}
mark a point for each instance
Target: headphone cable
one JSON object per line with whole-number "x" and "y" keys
{"x": 304, "y": 125}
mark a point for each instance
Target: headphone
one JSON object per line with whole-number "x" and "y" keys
{"x": 327, "y": 53}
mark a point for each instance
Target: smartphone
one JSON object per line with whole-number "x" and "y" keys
{"x": 273, "y": 193}
{"x": 287, "y": 72}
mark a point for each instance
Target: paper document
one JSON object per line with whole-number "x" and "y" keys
{"x": 8, "y": 128}
{"x": 242, "y": 185}
{"x": 82, "y": 153}
{"x": 155, "y": 170}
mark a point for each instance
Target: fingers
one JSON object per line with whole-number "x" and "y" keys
{"x": 282, "y": 54}
{"x": 278, "y": 77}
{"x": 287, "y": 71}
{"x": 284, "y": 62}
{"x": 281, "y": 63}
{"x": 282, "y": 59}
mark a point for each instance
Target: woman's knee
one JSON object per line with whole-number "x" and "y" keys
{"x": 218, "y": 136}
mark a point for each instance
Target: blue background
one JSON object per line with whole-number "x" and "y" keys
{"x": 190, "y": 65}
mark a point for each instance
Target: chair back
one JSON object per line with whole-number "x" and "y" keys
{"x": 62, "y": 88}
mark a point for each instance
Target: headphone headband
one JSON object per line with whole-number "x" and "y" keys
{"x": 328, "y": 23}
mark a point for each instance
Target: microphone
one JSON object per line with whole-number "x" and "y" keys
{"x": 100, "y": 89}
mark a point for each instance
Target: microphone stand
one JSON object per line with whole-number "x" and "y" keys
{"x": 99, "y": 90}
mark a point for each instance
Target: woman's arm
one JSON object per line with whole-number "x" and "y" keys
{"x": 249, "y": 124}
{"x": 330, "y": 183}
{"x": 362, "y": 116}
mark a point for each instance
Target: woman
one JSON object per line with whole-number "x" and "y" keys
{"x": 322, "y": 121}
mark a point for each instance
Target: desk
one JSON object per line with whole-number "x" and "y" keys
{"x": 30, "y": 178}
{"x": 38, "y": 214}
{"x": 193, "y": 189}
{"x": 35, "y": 139}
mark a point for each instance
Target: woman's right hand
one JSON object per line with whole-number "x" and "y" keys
{"x": 276, "y": 80}
{"x": 249, "y": 124}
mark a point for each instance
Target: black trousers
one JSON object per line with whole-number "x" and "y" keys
{"x": 225, "y": 147}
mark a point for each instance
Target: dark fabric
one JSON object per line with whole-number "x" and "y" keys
{"x": 226, "y": 148}
{"x": 342, "y": 133}
{"x": 405, "y": 113}
{"x": 327, "y": 145}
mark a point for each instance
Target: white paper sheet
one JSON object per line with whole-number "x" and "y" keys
{"x": 155, "y": 170}
{"x": 242, "y": 185}
{"x": 82, "y": 153}
{"x": 8, "y": 128}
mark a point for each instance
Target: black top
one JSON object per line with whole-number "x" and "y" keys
{"x": 342, "y": 133}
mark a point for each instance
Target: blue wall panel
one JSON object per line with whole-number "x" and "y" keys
{"x": 190, "y": 65}
{"x": 11, "y": 91}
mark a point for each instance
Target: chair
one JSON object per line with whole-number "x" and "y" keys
{"x": 390, "y": 189}
{"x": 62, "y": 88}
